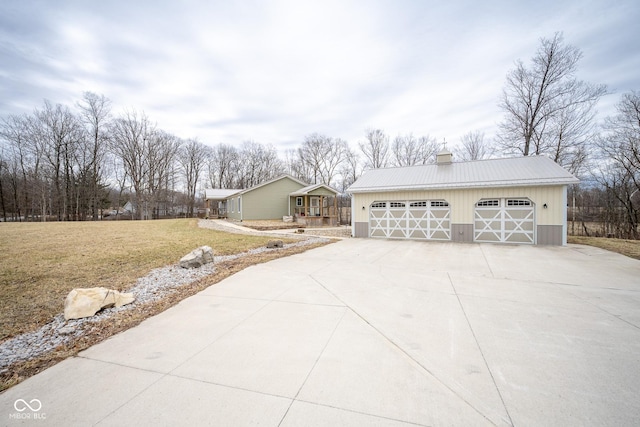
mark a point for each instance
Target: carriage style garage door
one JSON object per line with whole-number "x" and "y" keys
{"x": 504, "y": 221}
{"x": 421, "y": 219}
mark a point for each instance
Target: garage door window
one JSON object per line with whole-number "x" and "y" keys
{"x": 518, "y": 202}
{"x": 483, "y": 203}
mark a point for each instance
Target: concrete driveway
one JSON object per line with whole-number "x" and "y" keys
{"x": 371, "y": 332}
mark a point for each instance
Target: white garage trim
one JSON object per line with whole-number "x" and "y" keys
{"x": 504, "y": 220}
{"x": 411, "y": 219}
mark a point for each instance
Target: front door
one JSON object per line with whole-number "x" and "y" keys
{"x": 314, "y": 209}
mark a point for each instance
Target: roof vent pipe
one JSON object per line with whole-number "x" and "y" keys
{"x": 444, "y": 157}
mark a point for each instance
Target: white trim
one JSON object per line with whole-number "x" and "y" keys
{"x": 353, "y": 217}
{"x": 564, "y": 216}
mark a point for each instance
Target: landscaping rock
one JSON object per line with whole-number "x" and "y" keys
{"x": 275, "y": 244}
{"x": 197, "y": 257}
{"x": 85, "y": 302}
{"x": 287, "y": 218}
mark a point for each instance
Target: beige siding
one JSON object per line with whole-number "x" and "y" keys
{"x": 270, "y": 201}
{"x": 463, "y": 201}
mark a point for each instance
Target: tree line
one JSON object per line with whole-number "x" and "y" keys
{"x": 72, "y": 163}
{"x": 62, "y": 163}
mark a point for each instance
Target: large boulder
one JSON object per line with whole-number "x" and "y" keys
{"x": 197, "y": 257}
{"x": 85, "y": 302}
{"x": 274, "y": 244}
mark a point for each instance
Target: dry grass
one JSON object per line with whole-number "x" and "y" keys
{"x": 42, "y": 262}
{"x": 126, "y": 319}
{"x": 630, "y": 248}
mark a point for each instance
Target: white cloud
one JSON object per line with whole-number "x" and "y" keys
{"x": 276, "y": 71}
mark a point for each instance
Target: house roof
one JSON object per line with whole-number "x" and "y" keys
{"x": 274, "y": 180}
{"x": 306, "y": 190}
{"x": 510, "y": 172}
{"x": 219, "y": 193}
{"x": 222, "y": 194}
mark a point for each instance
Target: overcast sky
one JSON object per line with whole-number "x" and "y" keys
{"x": 275, "y": 71}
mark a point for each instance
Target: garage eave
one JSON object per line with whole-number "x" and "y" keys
{"x": 464, "y": 185}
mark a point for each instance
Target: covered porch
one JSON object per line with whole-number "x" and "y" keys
{"x": 216, "y": 202}
{"x": 315, "y": 206}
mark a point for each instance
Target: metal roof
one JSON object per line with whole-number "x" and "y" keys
{"x": 219, "y": 193}
{"x": 310, "y": 188}
{"x": 510, "y": 172}
{"x": 274, "y": 180}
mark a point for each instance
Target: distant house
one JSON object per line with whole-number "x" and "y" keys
{"x": 516, "y": 200}
{"x": 312, "y": 205}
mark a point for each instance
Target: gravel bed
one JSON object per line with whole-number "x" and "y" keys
{"x": 158, "y": 284}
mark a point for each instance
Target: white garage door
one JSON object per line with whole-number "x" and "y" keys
{"x": 504, "y": 221}
{"x": 421, "y": 219}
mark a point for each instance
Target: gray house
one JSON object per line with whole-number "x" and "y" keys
{"x": 313, "y": 205}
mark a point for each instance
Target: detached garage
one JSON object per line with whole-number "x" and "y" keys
{"x": 520, "y": 200}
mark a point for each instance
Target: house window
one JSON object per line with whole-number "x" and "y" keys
{"x": 239, "y": 205}
{"x": 379, "y": 204}
{"x": 396, "y": 204}
{"x": 439, "y": 203}
{"x": 299, "y": 201}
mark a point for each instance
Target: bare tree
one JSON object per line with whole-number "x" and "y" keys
{"x": 58, "y": 131}
{"x": 311, "y": 155}
{"x": 473, "y": 147}
{"x": 130, "y": 134}
{"x": 192, "y": 158}
{"x": 20, "y": 162}
{"x": 223, "y": 166}
{"x": 375, "y": 149}
{"x": 321, "y": 156}
{"x": 407, "y": 150}
{"x": 542, "y": 102}
{"x": 3, "y": 177}
{"x": 620, "y": 166}
{"x": 335, "y": 155}
{"x": 160, "y": 155}
{"x": 95, "y": 115}
{"x": 351, "y": 169}
{"x": 257, "y": 163}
